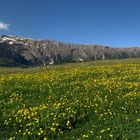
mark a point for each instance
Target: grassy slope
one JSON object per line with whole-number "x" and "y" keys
{"x": 94, "y": 100}
{"x": 4, "y": 62}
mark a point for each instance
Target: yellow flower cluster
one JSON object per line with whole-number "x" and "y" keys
{"x": 95, "y": 100}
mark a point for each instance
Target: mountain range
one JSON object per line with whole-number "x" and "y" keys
{"x": 30, "y": 52}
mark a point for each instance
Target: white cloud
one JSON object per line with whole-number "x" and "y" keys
{"x": 4, "y": 26}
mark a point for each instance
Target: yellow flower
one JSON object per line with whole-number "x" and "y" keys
{"x": 111, "y": 135}
{"x": 39, "y": 134}
{"x": 102, "y": 131}
{"x": 53, "y": 129}
{"x": 85, "y": 136}
{"x": 108, "y": 128}
{"x": 68, "y": 122}
{"x": 138, "y": 120}
{"x": 91, "y": 131}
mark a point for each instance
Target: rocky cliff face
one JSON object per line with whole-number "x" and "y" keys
{"x": 45, "y": 52}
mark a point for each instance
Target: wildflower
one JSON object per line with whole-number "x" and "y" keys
{"x": 68, "y": 122}
{"x": 111, "y": 135}
{"x": 53, "y": 129}
{"x": 102, "y": 131}
{"x": 138, "y": 120}
{"x": 85, "y": 136}
{"x": 91, "y": 131}
{"x": 108, "y": 129}
{"x": 10, "y": 138}
{"x": 39, "y": 134}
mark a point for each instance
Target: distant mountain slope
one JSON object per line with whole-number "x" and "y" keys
{"x": 45, "y": 52}
{"x": 4, "y": 62}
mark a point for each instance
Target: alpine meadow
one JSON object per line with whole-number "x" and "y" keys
{"x": 78, "y": 101}
{"x": 69, "y": 69}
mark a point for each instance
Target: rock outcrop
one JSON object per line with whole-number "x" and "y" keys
{"x": 45, "y": 52}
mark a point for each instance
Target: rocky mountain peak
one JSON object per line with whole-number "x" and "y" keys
{"x": 32, "y": 52}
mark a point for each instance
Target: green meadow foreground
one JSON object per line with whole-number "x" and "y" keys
{"x": 85, "y": 101}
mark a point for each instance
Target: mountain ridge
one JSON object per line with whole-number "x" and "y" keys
{"x": 31, "y": 52}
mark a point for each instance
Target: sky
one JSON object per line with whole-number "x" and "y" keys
{"x": 114, "y": 23}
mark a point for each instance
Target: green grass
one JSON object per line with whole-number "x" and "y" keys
{"x": 4, "y": 62}
{"x": 93, "y": 100}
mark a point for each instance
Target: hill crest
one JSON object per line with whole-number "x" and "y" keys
{"x": 27, "y": 51}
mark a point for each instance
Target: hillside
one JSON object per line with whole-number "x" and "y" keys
{"x": 83, "y": 101}
{"x": 4, "y": 62}
{"x": 32, "y": 52}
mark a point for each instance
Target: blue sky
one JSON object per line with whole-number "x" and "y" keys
{"x": 109, "y": 22}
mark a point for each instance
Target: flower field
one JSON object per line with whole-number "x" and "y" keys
{"x": 85, "y": 101}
